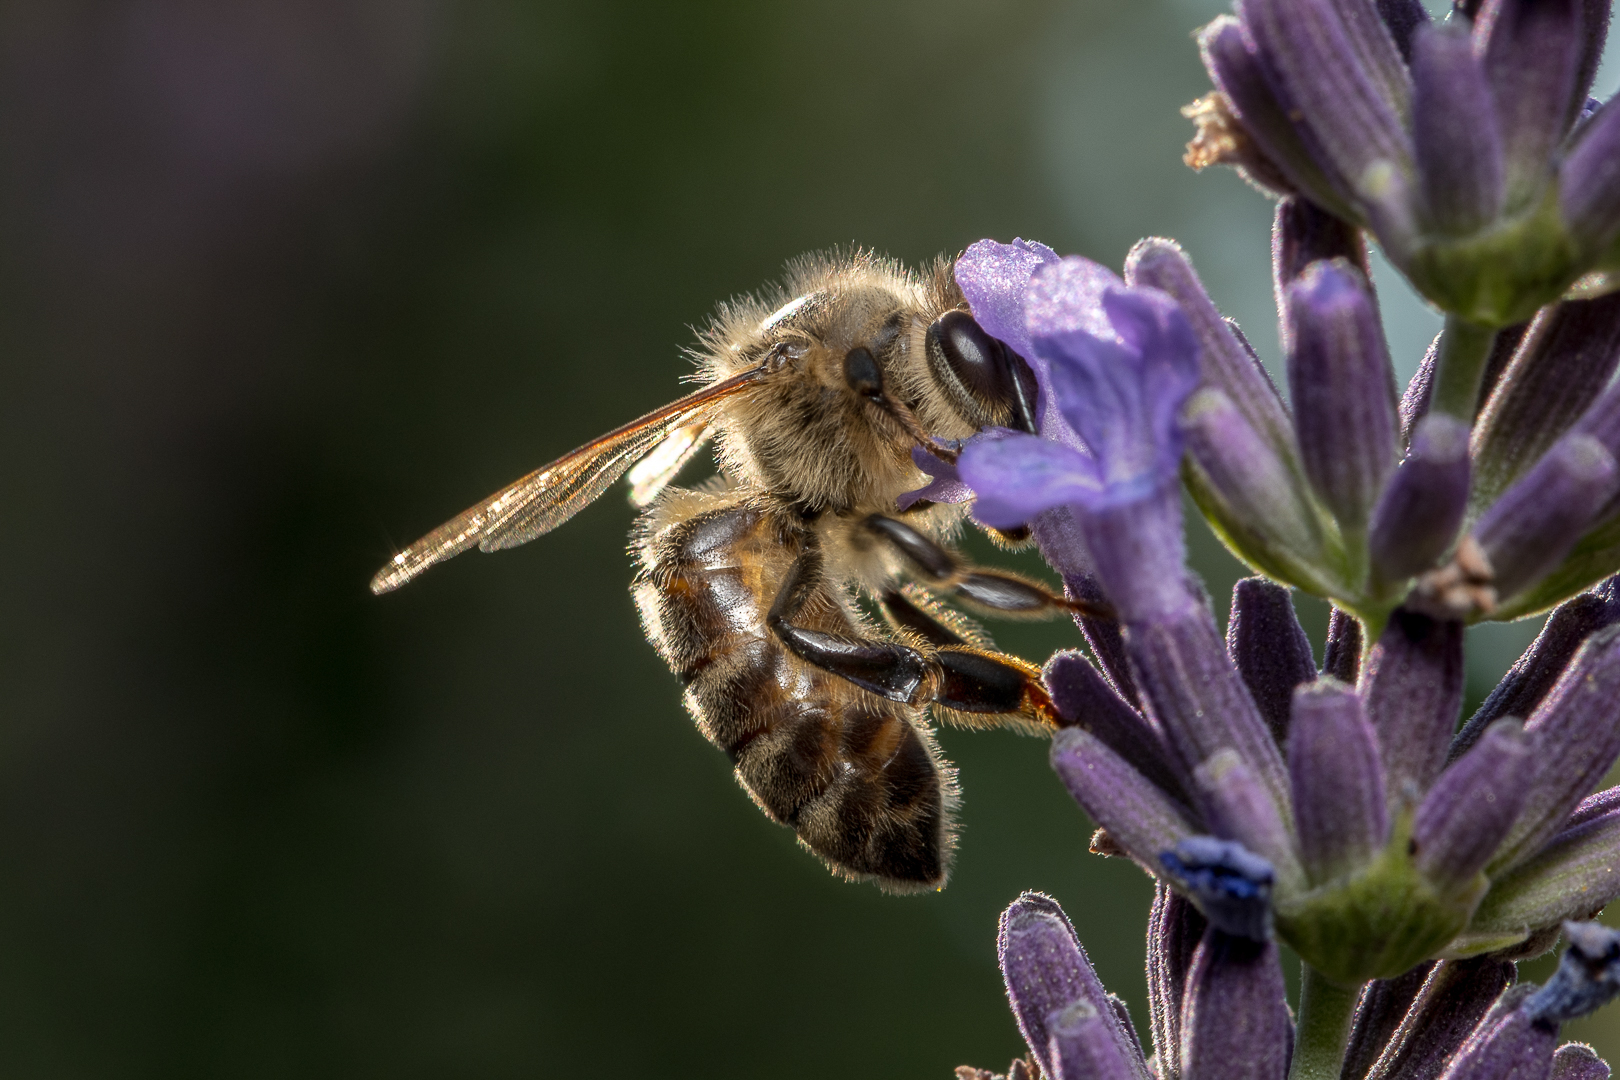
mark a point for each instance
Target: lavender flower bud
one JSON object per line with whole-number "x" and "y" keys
{"x": 1403, "y": 18}
{"x": 1534, "y": 673}
{"x": 1236, "y": 1025}
{"x": 1269, "y": 648}
{"x": 1237, "y": 807}
{"x": 1242, "y": 484}
{"x": 1453, "y": 999}
{"x": 1137, "y": 814}
{"x": 1344, "y": 394}
{"x": 1084, "y": 1046}
{"x": 1588, "y": 976}
{"x": 1413, "y": 687}
{"x": 1082, "y": 696}
{"x": 1593, "y": 807}
{"x": 1532, "y": 52}
{"x": 1047, "y": 972}
{"x": 1380, "y": 1013}
{"x": 1418, "y": 516}
{"x": 1174, "y": 929}
{"x": 1538, "y": 520}
{"x": 1302, "y": 233}
{"x": 1508, "y": 1044}
{"x": 1559, "y": 369}
{"x": 1574, "y": 875}
{"x": 1191, "y": 689}
{"x": 1341, "y": 655}
{"x": 1342, "y": 76}
{"x": 1232, "y": 886}
{"x": 1577, "y": 1061}
{"x": 1471, "y": 807}
{"x": 1458, "y": 147}
{"x": 1338, "y": 782}
{"x": 1285, "y": 148}
{"x": 1223, "y": 360}
{"x": 1575, "y": 733}
{"x": 1589, "y": 182}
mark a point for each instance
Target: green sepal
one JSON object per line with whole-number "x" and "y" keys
{"x": 1309, "y": 569}
{"x": 1379, "y": 922}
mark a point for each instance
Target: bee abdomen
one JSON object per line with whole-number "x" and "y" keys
{"x": 853, "y": 774}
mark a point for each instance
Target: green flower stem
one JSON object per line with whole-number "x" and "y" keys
{"x": 1322, "y": 1032}
{"x": 1464, "y": 348}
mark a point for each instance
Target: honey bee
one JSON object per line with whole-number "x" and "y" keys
{"x": 751, "y": 586}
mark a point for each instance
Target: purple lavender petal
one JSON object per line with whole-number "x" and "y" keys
{"x": 1046, "y": 971}
{"x": 1417, "y": 517}
{"x": 1018, "y": 476}
{"x": 1470, "y": 809}
{"x": 1341, "y": 655}
{"x": 1121, "y": 390}
{"x": 1577, "y": 1061}
{"x": 1344, "y": 390}
{"x": 1532, "y": 54}
{"x": 1223, "y": 359}
{"x": 1379, "y": 1015}
{"x": 1572, "y": 877}
{"x": 1269, "y": 648}
{"x": 1235, "y": 1025}
{"x": 1589, "y": 181}
{"x": 1458, "y": 148}
{"x": 946, "y": 486}
{"x": 1561, "y": 366}
{"x": 1534, "y": 673}
{"x": 1286, "y": 145}
{"x": 1231, "y": 884}
{"x": 1413, "y": 687}
{"x": 995, "y": 280}
{"x": 1538, "y": 520}
{"x": 1317, "y": 61}
{"x": 1137, "y": 814}
{"x": 1575, "y": 735}
{"x": 1174, "y": 929}
{"x": 1403, "y": 18}
{"x": 1237, "y": 807}
{"x": 1338, "y": 782}
{"x": 1507, "y": 1045}
{"x": 1453, "y": 999}
{"x": 1193, "y": 692}
{"x": 1588, "y": 975}
{"x": 1083, "y": 697}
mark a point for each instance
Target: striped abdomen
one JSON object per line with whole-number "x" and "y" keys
{"x": 853, "y": 774}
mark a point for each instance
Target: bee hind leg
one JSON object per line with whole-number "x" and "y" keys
{"x": 974, "y": 686}
{"x": 994, "y": 591}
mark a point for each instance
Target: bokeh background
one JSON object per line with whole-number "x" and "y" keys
{"x": 284, "y": 283}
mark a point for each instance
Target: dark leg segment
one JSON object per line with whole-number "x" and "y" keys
{"x": 991, "y": 590}
{"x": 957, "y": 676}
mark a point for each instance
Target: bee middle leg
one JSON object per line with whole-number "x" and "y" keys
{"x": 994, "y": 591}
{"x": 981, "y": 685}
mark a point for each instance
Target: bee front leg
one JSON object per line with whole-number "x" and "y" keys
{"x": 994, "y": 591}
{"x": 973, "y": 684}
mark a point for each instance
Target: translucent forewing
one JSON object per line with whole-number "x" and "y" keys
{"x": 551, "y": 495}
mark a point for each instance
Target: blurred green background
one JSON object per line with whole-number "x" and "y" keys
{"x": 284, "y": 283}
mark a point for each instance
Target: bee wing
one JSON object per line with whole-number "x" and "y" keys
{"x": 653, "y": 472}
{"x": 551, "y": 495}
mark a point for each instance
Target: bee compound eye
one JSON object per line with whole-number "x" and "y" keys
{"x": 993, "y": 383}
{"x": 862, "y": 373}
